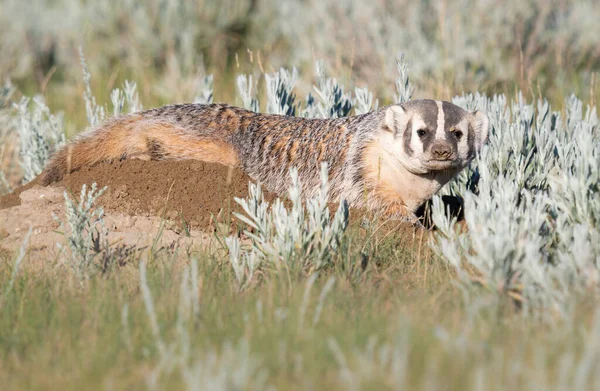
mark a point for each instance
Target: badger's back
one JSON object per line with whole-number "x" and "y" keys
{"x": 266, "y": 146}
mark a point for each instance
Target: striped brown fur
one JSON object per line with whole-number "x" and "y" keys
{"x": 377, "y": 152}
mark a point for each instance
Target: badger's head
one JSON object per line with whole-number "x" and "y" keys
{"x": 428, "y": 135}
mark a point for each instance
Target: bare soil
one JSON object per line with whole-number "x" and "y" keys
{"x": 190, "y": 198}
{"x": 191, "y": 192}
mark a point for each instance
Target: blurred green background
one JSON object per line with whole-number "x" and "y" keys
{"x": 543, "y": 47}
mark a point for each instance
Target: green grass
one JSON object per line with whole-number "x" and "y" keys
{"x": 57, "y": 334}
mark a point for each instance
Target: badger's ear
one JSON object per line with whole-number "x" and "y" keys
{"x": 480, "y": 124}
{"x": 396, "y": 119}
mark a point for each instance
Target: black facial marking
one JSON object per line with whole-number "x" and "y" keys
{"x": 452, "y": 115}
{"x": 407, "y": 137}
{"x": 471, "y": 142}
{"x": 428, "y": 139}
{"x": 452, "y": 141}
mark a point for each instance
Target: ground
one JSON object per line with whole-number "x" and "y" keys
{"x": 194, "y": 199}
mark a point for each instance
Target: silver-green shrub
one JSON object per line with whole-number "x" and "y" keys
{"x": 404, "y": 87}
{"x": 327, "y": 99}
{"x": 6, "y": 124}
{"x": 126, "y": 100}
{"x": 6, "y": 92}
{"x": 531, "y": 204}
{"x": 123, "y": 101}
{"x": 205, "y": 90}
{"x": 280, "y": 98}
{"x": 364, "y": 101}
{"x": 246, "y": 85}
{"x": 95, "y": 113}
{"x": 84, "y": 220}
{"x": 305, "y": 236}
{"x": 40, "y": 133}
{"x": 330, "y": 99}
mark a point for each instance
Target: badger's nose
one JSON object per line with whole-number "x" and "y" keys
{"x": 441, "y": 150}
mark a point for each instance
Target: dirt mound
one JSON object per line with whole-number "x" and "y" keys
{"x": 190, "y": 191}
{"x": 196, "y": 192}
{"x": 193, "y": 196}
{"x": 42, "y": 209}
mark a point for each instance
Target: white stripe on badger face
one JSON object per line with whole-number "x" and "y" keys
{"x": 439, "y": 132}
{"x": 415, "y": 142}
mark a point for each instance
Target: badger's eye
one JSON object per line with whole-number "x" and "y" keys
{"x": 458, "y": 134}
{"x": 421, "y": 132}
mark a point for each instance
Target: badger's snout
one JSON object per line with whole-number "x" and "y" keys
{"x": 441, "y": 150}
